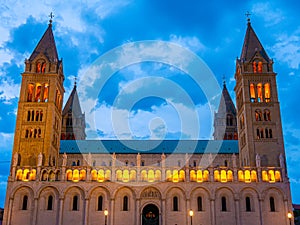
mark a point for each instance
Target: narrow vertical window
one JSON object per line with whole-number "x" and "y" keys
{"x": 248, "y": 204}
{"x": 75, "y": 203}
{"x": 224, "y": 206}
{"x": 25, "y": 202}
{"x": 267, "y": 92}
{"x": 100, "y": 203}
{"x": 259, "y": 93}
{"x": 46, "y": 93}
{"x": 267, "y": 132}
{"x": 175, "y": 203}
{"x": 38, "y": 93}
{"x": 252, "y": 93}
{"x": 30, "y": 88}
{"x": 270, "y": 133}
{"x": 125, "y": 203}
{"x": 272, "y": 204}
{"x": 28, "y": 116}
{"x": 225, "y": 163}
{"x": 199, "y": 203}
{"x": 50, "y": 203}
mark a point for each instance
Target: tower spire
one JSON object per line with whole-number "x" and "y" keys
{"x": 51, "y": 15}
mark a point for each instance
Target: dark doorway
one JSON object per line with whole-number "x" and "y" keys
{"x": 150, "y": 215}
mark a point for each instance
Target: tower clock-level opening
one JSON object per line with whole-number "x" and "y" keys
{"x": 150, "y": 215}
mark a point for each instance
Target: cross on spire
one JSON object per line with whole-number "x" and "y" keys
{"x": 51, "y": 17}
{"x": 248, "y": 14}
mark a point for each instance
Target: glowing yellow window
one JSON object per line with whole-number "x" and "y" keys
{"x": 247, "y": 176}
{"x": 199, "y": 176}
{"x": 168, "y": 175}
{"x": 252, "y": 93}
{"x": 259, "y": 93}
{"x": 69, "y": 175}
{"x": 38, "y": 91}
{"x": 241, "y": 176}
{"x": 75, "y": 175}
{"x": 192, "y": 175}
{"x": 32, "y": 175}
{"x": 107, "y": 176}
{"x": 223, "y": 176}
{"x": 25, "y": 175}
{"x": 267, "y": 92}
{"x": 277, "y": 176}
{"x": 119, "y": 175}
{"x": 175, "y": 176}
{"x": 271, "y": 176}
{"x": 217, "y": 175}
{"x": 253, "y": 176}
{"x": 157, "y": 175}
{"x": 205, "y": 175}
{"x": 150, "y": 176}
{"x": 229, "y": 176}
{"x": 19, "y": 174}
{"x": 94, "y": 175}
{"x": 126, "y": 176}
{"x": 144, "y": 175}
{"x": 265, "y": 176}
{"x": 46, "y": 92}
{"x": 181, "y": 176}
{"x": 82, "y": 175}
{"x": 132, "y": 176}
{"x": 30, "y": 89}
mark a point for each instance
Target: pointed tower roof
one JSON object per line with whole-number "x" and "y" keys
{"x": 46, "y": 46}
{"x": 252, "y": 45}
{"x": 226, "y": 103}
{"x": 73, "y": 105}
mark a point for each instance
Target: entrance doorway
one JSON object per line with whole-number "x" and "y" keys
{"x": 150, "y": 215}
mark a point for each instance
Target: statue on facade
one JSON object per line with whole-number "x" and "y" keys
{"x": 15, "y": 159}
{"x": 40, "y": 159}
{"x": 65, "y": 157}
{"x": 257, "y": 159}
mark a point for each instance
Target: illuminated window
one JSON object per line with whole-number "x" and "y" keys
{"x": 157, "y": 175}
{"x": 50, "y": 203}
{"x": 199, "y": 203}
{"x": 30, "y": 89}
{"x": 100, "y": 177}
{"x": 265, "y": 176}
{"x": 19, "y": 174}
{"x": 267, "y": 92}
{"x": 259, "y": 67}
{"x": 259, "y": 93}
{"x": 247, "y": 176}
{"x": 38, "y": 90}
{"x": 38, "y": 67}
{"x": 107, "y": 176}
{"x": 253, "y": 176}
{"x": 100, "y": 203}
{"x": 181, "y": 176}
{"x": 223, "y": 176}
{"x": 277, "y": 176}
{"x": 25, "y": 175}
{"x": 125, "y": 175}
{"x": 69, "y": 175}
{"x": 43, "y": 67}
{"x": 248, "y": 204}
{"x": 125, "y": 203}
{"x": 175, "y": 176}
{"x": 223, "y": 204}
{"x": 254, "y": 65}
{"x": 75, "y": 203}
{"x": 119, "y": 175}
{"x": 150, "y": 176}
{"x": 252, "y": 93}
{"x": 229, "y": 176}
{"x": 46, "y": 93}
{"x": 94, "y": 175}
{"x": 144, "y": 175}
{"x": 25, "y": 202}
{"x": 216, "y": 175}
{"x": 193, "y": 175}
{"x": 271, "y": 176}
{"x": 267, "y": 115}
{"x": 32, "y": 175}
{"x": 205, "y": 175}
{"x": 241, "y": 175}
{"x": 132, "y": 176}
{"x": 82, "y": 175}
{"x": 199, "y": 176}
{"x": 272, "y": 204}
{"x": 168, "y": 175}
{"x": 75, "y": 176}
{"x": 175, "y": 203}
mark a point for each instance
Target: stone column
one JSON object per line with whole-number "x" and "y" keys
{"x": 211, "y": 174}
{"x": 60, "y": 215}
{"x": 35, "y": 211}
{"x": 260, "y": 210}
{"x": 163, "y": 212}
{"x": 237, "y": 210}
{"x": 86, "y": 211}
{"x": 212, "y": 211}
{"x": 188, "y": 208}
{"x": 111, "y": 213}
{"x": 259, "y": 174}
{"x": 137, "y": 210}
{"x": 9, "y": 210}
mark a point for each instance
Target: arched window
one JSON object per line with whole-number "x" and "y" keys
{"x": 223, "y": 204}
{"x": 100, "y": 203}
{"x": 125, "y": 203}
{"x": 267, "y": 132}
{"x": 248, "y": 204}
{"x": 259, "y": 67}
{"x": 267, "y": 92}
{"x": 25, "y": 202}
{"x": 270, "y": 133}
{"x": 259, "y": 93}
{"x": 50, "y": 203}
{"x": 46, "y": 93}
{"x": 38, "y": 67}
{"x": 43, "y": 67}
{"x": 175, "y": 203}
{"x": 252, "y": 93}
{"x": 267, "y": 115}
{"x": 199, "y": 203}
{"x": 75, "y": 203}
{"x": 225, "y": 163}
{"x": 28, "y": 115}
{"x": 258, "y": 115}
{"x": 30, "y": 89}
{"x": 38, "y": 90}
{"x": 272, "y": 204}
{"x": 254, "y": 65}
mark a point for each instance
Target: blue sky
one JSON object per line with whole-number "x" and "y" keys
{"x": 214, "y": 30}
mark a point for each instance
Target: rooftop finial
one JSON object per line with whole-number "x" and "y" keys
{"x": 75, "y": 79}
{"x": 248, "y": 14}
{"x": 51, "y": 17}
{"x": 224, "y": 80}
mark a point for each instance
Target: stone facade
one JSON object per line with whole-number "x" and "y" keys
{"x": 229, "y": 182}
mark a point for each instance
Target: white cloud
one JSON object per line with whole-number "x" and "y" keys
{"x": 5, "y": 56}
{"x": 287, "y": 49}
{"x": 6, "y": 140}
{"x": 270, "y": 14}
{"x": 191, "y": 43}
{"x": 8, "y": 89}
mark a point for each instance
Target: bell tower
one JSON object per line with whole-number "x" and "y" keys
{"x": 38, "y": 126}
{"x": 258, "y": 112}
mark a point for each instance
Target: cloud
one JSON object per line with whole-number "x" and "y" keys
{"x": 192, "y": 43}
{"x": 8, "y": 89}
{"x": 287, "y": 49}
{"x": 268, "y": 12}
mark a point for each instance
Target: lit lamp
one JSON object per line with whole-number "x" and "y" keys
{"x": 191, "y": 215}
{"x": 289, "y": 215}
{"x": 105, "y": 216}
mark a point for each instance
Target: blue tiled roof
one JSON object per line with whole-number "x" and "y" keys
{"x": 148, "y": 146}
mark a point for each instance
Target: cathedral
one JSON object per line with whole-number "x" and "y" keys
{"x": 57, "y": 177}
